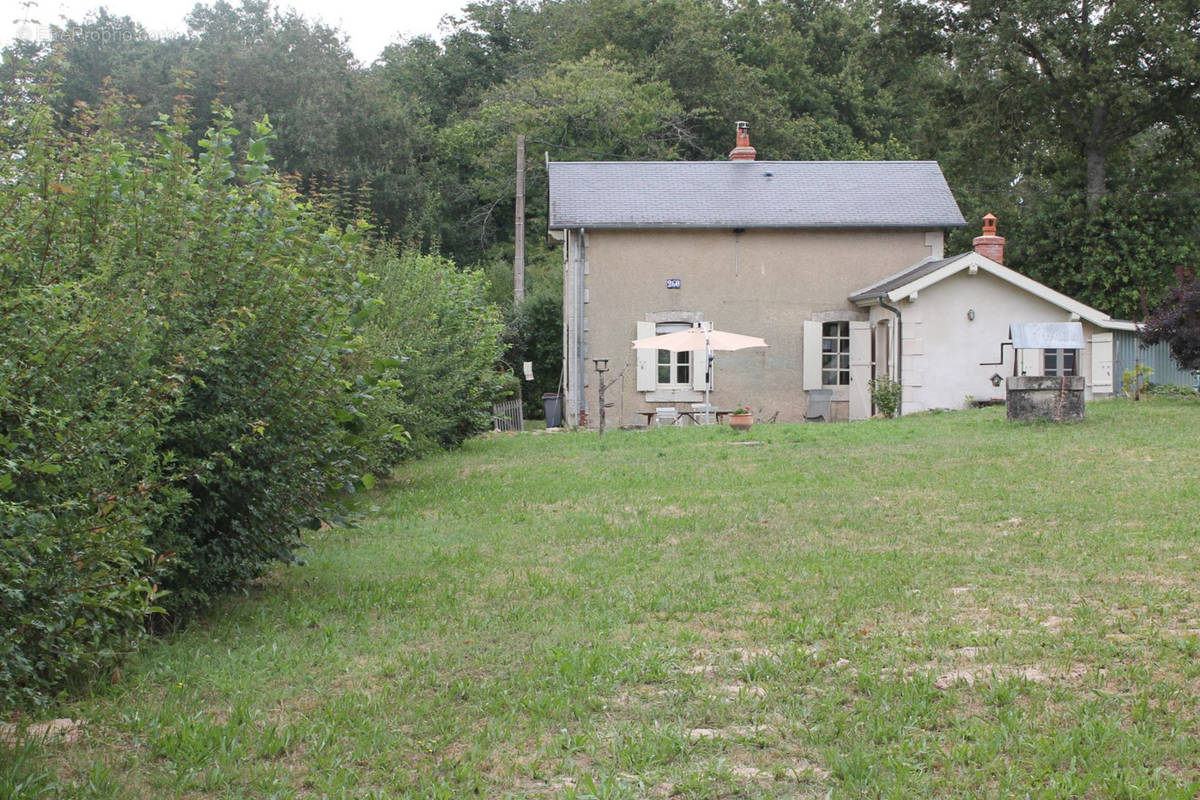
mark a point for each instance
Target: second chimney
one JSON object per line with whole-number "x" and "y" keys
{"x": 743, "y": 151}
{"x": 990, "y": 245}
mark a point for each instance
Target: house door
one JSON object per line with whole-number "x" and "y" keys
{"x": 860, "y": 370}
{"x": 882, "y": 356}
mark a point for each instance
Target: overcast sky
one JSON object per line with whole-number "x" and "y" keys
{"x": 370, "y": 25}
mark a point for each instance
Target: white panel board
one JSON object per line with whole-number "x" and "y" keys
{"x": 812, "y": 355}
{"x": 860, "y": 370}
{"x": 647, "y": 360}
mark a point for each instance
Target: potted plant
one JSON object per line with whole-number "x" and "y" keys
{"x": 741, "y": 418}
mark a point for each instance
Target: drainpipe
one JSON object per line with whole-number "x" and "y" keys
{"x": 899, "y": 351}
{"x": 580, "y": 379}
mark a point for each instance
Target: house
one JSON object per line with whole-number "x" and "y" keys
{"x": 840, "y": 266}
{"x": 954, "y": 315}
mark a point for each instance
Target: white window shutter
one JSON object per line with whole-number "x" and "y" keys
{"x": 647, "y": 360}
{"x": 1102, "y": 362}
{"x": 860, "y": 370}
{"x": 700, "y": 368}
{"x": 812, "y": 355}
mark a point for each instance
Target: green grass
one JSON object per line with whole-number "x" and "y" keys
{"x": 945, "y": 605}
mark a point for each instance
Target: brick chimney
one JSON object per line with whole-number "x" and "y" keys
{"x": 990, "y": 245}
{"x": 743, "y": 151}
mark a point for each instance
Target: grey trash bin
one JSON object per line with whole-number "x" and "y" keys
{"x": 552, "y": 403}
{"x": 819, "y": 401}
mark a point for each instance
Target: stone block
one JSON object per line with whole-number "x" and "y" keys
{"x": 1055, "y": 399}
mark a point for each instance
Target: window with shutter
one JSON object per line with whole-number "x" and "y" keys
{"x": 668, "y": 370}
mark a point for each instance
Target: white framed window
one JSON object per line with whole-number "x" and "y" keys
{"x": 667, "y": 374}
{"x": 673, "y": 368}
{"x": 1056, "y": 363}
{"x": 835, "y": 353}
{"x": 837, "y": 356}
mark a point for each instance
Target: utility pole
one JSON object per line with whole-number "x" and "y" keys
{"x": 519, "y": 249}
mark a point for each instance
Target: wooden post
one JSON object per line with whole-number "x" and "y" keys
{"x": 519, "y": 231}
{"x": 602, "y": 387}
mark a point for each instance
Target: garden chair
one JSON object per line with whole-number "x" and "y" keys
{"x": 666, "y": 415}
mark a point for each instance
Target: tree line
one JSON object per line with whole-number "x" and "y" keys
{"x": 1074, "y": 121}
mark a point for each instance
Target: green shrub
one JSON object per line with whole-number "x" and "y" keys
{"x": 885, "y": 394}
{"x": 81, "y": 479}
{"x": 437, "y": 336}
{"x": 263, "y": 302}
{"x": 195, "y": 364}
{"x": 1135, "y": 381}
{"x": 1170, "y": 390}
{"x": 535, "y": 334}
{"x": 182, "y": 371}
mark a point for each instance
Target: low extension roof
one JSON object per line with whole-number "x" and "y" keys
{"x": 750, "y": 194}
{"x": 930, "y": 271}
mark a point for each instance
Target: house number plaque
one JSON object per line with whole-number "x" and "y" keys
{"x": 674, "y": 283}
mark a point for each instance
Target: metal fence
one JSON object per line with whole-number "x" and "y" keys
{"x": 507, "y": 416}
{"x": 1130, "y": 351}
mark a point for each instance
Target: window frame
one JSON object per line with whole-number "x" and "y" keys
{"x": 835, "y": 346}
{"x": 676, "y": 363}
{"x": 649, "y": 361}
{"x": 1054, "y": 362}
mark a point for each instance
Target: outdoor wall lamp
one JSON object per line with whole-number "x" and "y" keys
{"x": 970, "y": 313}
{"x": 996, "y": 379}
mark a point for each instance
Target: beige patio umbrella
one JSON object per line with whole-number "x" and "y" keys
{"x": 706, "y": 339}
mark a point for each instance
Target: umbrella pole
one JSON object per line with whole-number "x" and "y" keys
{"x": 708, "y": 359}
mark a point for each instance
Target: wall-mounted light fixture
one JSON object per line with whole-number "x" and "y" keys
{"x": 996, "y": 379}
{"x": 970, "y": 313}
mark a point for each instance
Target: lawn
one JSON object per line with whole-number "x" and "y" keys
{"x": 946, "y": 605}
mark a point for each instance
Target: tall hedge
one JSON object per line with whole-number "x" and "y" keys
{"x": 181, "y": 369}
{"x": 443, "y": 342}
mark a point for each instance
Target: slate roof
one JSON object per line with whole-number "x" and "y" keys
{"x": 750, "y": 194}
{"x": 918, "y": 270}
{"x": 923, "y": 274}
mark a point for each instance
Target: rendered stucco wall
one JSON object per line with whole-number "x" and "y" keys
{"x": 758, "y": 282}
{"x": 943, "y": 348}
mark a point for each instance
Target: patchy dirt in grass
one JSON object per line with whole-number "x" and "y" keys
{"x": 968, "y": 653}
{"x": 738, "y": 690}
{"x": 797, "y": 772}
{"x": 733, "y": 731}
{"x": 63, "y": 731}
{"x": 707, "y": 670}
{"x": 671, "y": 512}
{"x": 747, "y": 654}
{"x": 987, "y": 672}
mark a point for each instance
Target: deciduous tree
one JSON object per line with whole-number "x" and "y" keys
{"x": 1177, "y": 321}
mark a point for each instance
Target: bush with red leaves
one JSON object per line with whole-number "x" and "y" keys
{"x": 1177, "y": 321}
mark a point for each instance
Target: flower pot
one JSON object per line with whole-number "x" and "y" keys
{"x": 741, "y": 422}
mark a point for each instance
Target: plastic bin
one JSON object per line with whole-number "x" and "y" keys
{"x": 553, "y": 405}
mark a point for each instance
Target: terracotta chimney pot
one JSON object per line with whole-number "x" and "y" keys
{"x": 743, "y": 151}
{"x": 989, "y": 245}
